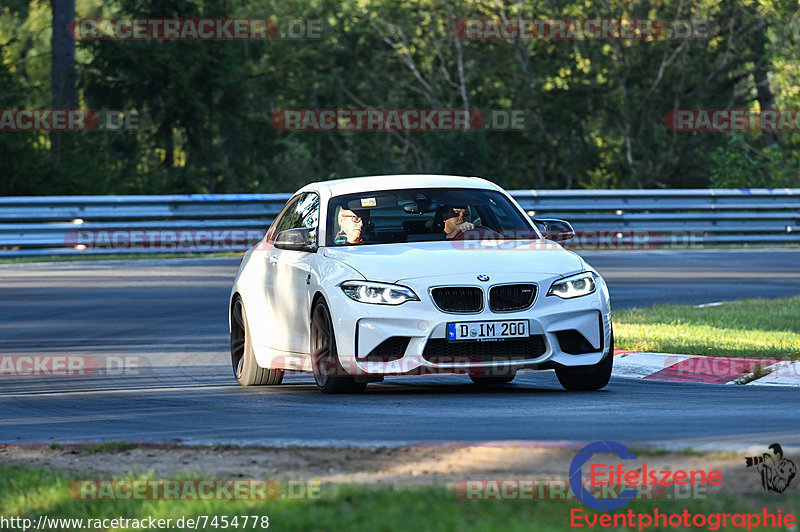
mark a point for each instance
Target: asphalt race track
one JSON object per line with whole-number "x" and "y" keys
{"x": 157, "y": 329}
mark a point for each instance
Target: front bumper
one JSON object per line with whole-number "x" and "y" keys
{"x": 361, "y": 328}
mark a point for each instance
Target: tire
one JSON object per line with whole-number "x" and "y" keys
{"x": 243, "y": 359}
{"x": 592, "y": 378}
{"x": 490, "y": 380}
{"x": 328, "y": 373}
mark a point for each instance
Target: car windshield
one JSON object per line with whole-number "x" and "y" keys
{"x": 421, "y": 215}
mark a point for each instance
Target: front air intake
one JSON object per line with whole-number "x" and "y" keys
{"x": 390, "y": 349}
{"x": 440, "y": 351}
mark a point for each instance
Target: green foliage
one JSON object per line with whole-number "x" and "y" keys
{"x": 20, "y": 163}
{"x": 739, "y": 165}
{"x": 594, "y": 108}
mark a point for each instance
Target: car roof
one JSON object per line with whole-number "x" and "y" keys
{"x": 338, "y": 187}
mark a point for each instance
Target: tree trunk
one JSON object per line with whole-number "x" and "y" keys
{"x": 761, "y": 77}
{"x": 62, "y": 71}
{"x": 62, "y": 45}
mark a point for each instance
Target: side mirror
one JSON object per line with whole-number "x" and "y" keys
{"x": 303, "y": 239}
{"x": 554, "y": 229}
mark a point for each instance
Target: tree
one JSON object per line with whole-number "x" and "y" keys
{"x": 63, "y": 56}
{"x": 62, "y": 77}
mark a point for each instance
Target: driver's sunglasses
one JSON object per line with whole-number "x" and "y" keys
{"x": 356, "y": 219}
{"x": 453, "y": 214}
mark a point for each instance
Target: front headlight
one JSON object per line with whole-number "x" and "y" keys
{"x": 378, "y": 293}
{"x": 576, "y": 286}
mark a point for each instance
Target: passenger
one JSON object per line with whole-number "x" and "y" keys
{"x": 352, "y": 226}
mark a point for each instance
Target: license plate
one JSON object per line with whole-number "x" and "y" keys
{"x": 487, "y": 330}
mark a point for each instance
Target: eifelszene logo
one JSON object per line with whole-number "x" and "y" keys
{"x": 618, "y": 475}
{"x": 576, "y": 478}
{"x": 776, "y": 471}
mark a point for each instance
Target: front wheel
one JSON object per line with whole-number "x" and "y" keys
{"x": 593, "y": 378}
{"x": 245, "y": 368}
{"x": 328, "y": 372}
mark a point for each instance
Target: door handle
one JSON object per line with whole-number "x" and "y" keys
{"x": 308, "y": 279}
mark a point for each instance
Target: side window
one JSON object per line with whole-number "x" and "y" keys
{"x": 283, "y": 220}
{"x": 300, "y": 212}
{"x": 307, "y": 212}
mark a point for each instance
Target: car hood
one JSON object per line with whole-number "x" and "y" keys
{"x": 396, "y": 262}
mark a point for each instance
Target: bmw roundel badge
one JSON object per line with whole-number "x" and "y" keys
{"x": 483, "y": 277}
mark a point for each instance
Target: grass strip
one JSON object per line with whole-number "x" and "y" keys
{"x": 747, "y": 328}
{"x": 34, "y": 492}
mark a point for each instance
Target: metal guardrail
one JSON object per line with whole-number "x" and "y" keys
{"x": 72, "y": 225}
{"x": 672, "y": 218}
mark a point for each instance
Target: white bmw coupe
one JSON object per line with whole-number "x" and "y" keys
{"x": 362, "y": 278}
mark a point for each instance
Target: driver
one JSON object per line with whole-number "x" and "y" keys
{"x": 453, "y": 219}
{"x": 352, "y": 225}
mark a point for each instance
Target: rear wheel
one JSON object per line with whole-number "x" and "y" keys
{"x": 328, "y": 373}
{"x": 591, "y": 378}
{"x": 243, "y": 359}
